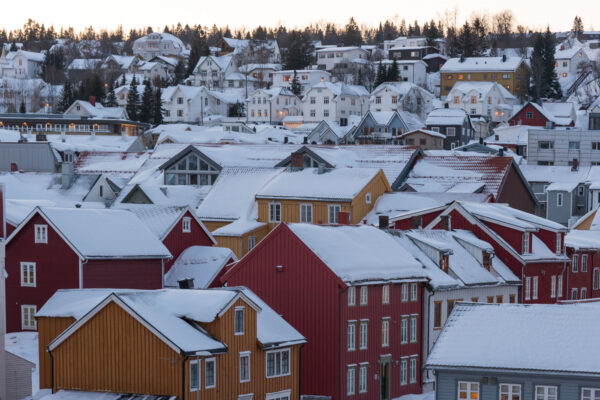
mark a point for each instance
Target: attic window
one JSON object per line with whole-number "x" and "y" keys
{"x": 186, "y": 223}
{"x": 368, "y": 198}
{"x": 487, "y": 261}
{"x": 444, "y": 263}
{"x": 526, "y": 249}
{"x": 41, "y": 233}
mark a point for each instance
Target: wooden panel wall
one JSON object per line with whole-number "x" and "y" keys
{"x": 290, "y": 210}
{"x": 48, "y": 330}
{"x": 214, "y": 225}
{"x": 378, "y": 185}
{"x": 114, "y": 352}
{"x": 239, "y": 244}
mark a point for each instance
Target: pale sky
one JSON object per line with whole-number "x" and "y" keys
{"x": 251, "y": 13}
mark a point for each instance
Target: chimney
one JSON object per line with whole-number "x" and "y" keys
{"x": 446, "y": 222}
{"x": 480, "y": 140}
{"x": 14, "y": 167}
{"x": 416, "y": 222}
{"x": 285, "y": 140}
{"x": 344, "y": 218}
{"x": 501, "y": 152}
{"x": 63, "y": 137}
{"x": 305, "y": 140}
{"x": 575, "y": 165}
{"x": 92, "y": 100}
{"x": 297, "y": 161}
{"x": 68, "y": 174}
{"x": 40, "y": 137}
{"x": 187, "y": 283}
{"x": 321, "y": 169}
{"x": 384, "y": 222}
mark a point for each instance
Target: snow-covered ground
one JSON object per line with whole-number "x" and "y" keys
{"x": 424, "y": 396}
{"x": 25, "y": 345}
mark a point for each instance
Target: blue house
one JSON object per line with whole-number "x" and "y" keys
{"x": 385, "y": 127}
{"x": 518, "y": 352}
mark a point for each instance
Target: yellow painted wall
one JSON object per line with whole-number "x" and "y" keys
{"x": 517, "y": 82}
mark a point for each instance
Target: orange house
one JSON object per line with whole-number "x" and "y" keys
{"x": 206, "y": 344}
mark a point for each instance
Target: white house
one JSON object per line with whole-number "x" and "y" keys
{"x": 404, "y": 41}
{"x": 210, "y": 71}
{"x": 569, "y": 56}
{"x": 251, "y": 50}
{"x": 487, "y": 99}
{"x": 184, "y": 103}
{"x": 414, "y": 71}
{"x": 401, "y": 96}
{"x": 153, "y": 70}
{"x": 328, "y": 101}
{"x": 330, "y": 58}
{"x": 306, "y": 78}
{"x": 21, "y": 64}
{"x": 272, "y": 105}
{"x": 122, "y": 93}
{"x": 95, "y": 110}
{"x": 263, "y": 73}
{"x": 159, "y": 44}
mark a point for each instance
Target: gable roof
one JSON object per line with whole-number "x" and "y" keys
{"x": 481, "y": 87}
{"x": 518, "y": 337}
{"x": 477, "y": 64}
{"x": 201, "y": 263}
{"x": 447, "y": 116}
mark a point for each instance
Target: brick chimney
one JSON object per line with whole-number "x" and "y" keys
{"x": 297, "y": 161}
{"x": 92, "y": 100}
{"x": 575, "y": 165}
{"x": 14, "y": 167}
{"x": 445, "y": 222}
{"x": 344, "y": 218}
{"x": 384, "y": 222}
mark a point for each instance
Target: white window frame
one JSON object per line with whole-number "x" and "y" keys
{"x": 584, "y": 261}
{"x": 451, "y": 131}
{"x": 414, "y": 292}
{"x": 596, "y": 279}
{"x": 558, "y": 243}
{"x": 583, "y": 293}
{"x": 351, "y": 296}
{"x": 385, "y": 294}
{"x": 574, "y": 293}
{"x": 306, "y": 210}
{"x": 198, "y": 364}
{"x": 526, "y": 244}
{"x": 351, "y": 336}
{"x": 251, "y": 242}
{"x": 553, "y": 286}
{"x": 508, "y": 389}
{"x": 404, "y": 292}
{"x": 212, "y": 360}
{"x": 546, "y": 392}
{"x": 363, "y": 342}
{"x": 536, "y": 282}
{"x": 368, "y": 198}
{"x": 236, "y": 330}
{"x": 559, "y": 200}
{"x": 244, "y": 354}
{"x": 333, "y": 212}
{"x": 413, "y": 370}
{"x": 351, "y": 380}
{"x": 468, "y": 389}
{"x": 404, "y": 371}
{"x": 282, "y": 395}
{"x": 528, "y": 288}
{"x": 31, "y": 310}
{"x": 575, "y": 263}
{"x": 385, "y": 332}
{"x": 279, "y": 352}
{"x": 559, "y": 287}
{"x": 26, "y": 268}
{"x": 40, "y": 233}
{"x": 364, "y": 295}
{"x": 413, "y": 328}
{"x": 362, "y": 378}
{"x": 404, "y": 329}
{"x": 594, "y": 393}
{"x": 186, "y": 225}
{"x": 274, "y": 212}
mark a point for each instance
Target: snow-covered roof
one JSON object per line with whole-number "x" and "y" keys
{"x": 425, "y": 132}
{"x": 339, "y": 89}
{"x": 84, "y": 63}
{"x": 477, "y": 64}
{"x": 110, "y": 162}
{"x": 446, "y": 116}
{"x": 201, "y": 263}
{"x": 511, "y": 135}
{"x": 340, "y": 49}
{"x": 359, "y": 253}
{"x": 162, "y": 36}
{"x": 401, "y": 88}
{"x": 554, "y": 173}
{"x": 435, "y": 55}
{"x": 95, "y": 143}
{"x": 223, "y": 62}
{"x": 159, "y": 219}
{"x": 252, "y": 67}
{"x": 336, "y": 184}
{"x": 502, "y": 213}
{"x": 579, "y": 239}
{"x": 98, "y": 110}
{"x": 83, "y": 395}
{"x": 102, "y": 233}
{"x": 124, "y": 61}
{"x": 481, "y": 87}
{"x": 517, "y": 337}
{"x": 29, "y": 55}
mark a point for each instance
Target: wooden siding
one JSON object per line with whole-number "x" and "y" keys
{"x": 214, "y": 225}
{"x": 113, "y": 352}
{"x": 239, "y": 244}
{"x": 515, "y": 193}
{"x": 177, "y": 240}
{"x": 517, "y": 84}
{"x": 377, "y": 186}
{"x": 228, "y": 385}
{"x": 48, "y": 330}
{"x": 586, "y": 224}
{"x": 18, "y": 376}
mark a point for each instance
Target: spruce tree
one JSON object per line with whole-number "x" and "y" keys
{"x": 146, "y": 109}
{"x": 352, "y": 36}
{"x": 133, "y": 101}
{"x": 550, "y": 77}
{"x": 157, "y": 108}
{"x": 67, "y": 97}
{"x": 111, "y": 98}
{"x": 577, "y": 27}
{"x": 296, "y": 88}
{"x": 22, "y": 108}
{"x": 123, "y": 80}
{"x": 393, "y": 72}
{"x": 180, "y": 71}
{"x": 381, "y": 74}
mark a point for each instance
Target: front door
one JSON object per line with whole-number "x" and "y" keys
{"x": 384, "y": 373}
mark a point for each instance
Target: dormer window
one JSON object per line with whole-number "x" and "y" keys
{"x": 558, "y": 243}
{"x": 526, "y": 247}
{"x": 444, "y": 262}
{"x": 41, "y": 233}
{"x": 487, "y": 261}
{"x": 186, "y": 224}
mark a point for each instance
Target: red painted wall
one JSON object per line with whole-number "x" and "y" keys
{"x": 581, "y": 279}
{"x": 124, "y": 274}
{"x": 512, "y": 236}
{"x": 405, "y": 224}
{"x": 544, "y": 272}
{"x": 549, "y": 238}
{"x": 307, "y": 294}
{"x": 537, "y": 120}
{"x": 9, "y": 229}
{"x": 177, "y": 241}
{"x": 3, "y": 224}
{"x": 57, "y": 266}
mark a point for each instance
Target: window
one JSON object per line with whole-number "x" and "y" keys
{"x": 529, "y": 115}
{"x": 251, "y": 242}
{"x": 362, "y": 379}
{"x": 351, "y": 336}
{"x": 210, "y": 379}
{"x": 186, "y": 225}
{"x": 306, "y": 213}
{"x": 473, "y": 99}
{"x": 278, "y": 363}
{"x": 583, "y": 295}
{"x": 385, "y": 332}
{"x": 499, "y": 299}
{"x": 573, "y": 145}
{"x": 553, "y": 286}
{"x": 404, "y": 292}
{"x": 403, "y": 371}
{"x": 574, "y": 294}
{"x": 468, "y": 390}
{"x": 333, "y": 211}
{"x": 528, "y": 288}
{"x": 404, "y": 330}
{"x": 238, "y": 322}
{"x": 352, "y": 296}
{"x": 325, "y": 100}
{"x": 512, "y": 298}
{"x": 559, "y": 289}
{"x": 28, "y": 317}
{"x": 575, "y": 264}
{"x": 450, "y": 131}
{"x": 510, "y": 392}
{"x": 368, "y": 198}
{"x": 364, "y": 295}
{"x": 546, "y": 393}
{"x": 351, "y": 380}
{"x": 313, "y": 113}
{"x": 437, "y": 315}
{"x": 490, "y": 299}
{"x": 584, "y": 258}
{"x": 28, "y": 274}
{"x": 245, "y": 366}
{"x": 559, "y": 199}
{"x": 590, "y": 394}
{"x": 313, "y": 100}
{"x": 558, "y": 243}
{"x": 595, "y": 145}
{"x": 545, "y": 145}
{"x": 41, "y": 233}
{"x": 394, "y": 99}
{"x": 596, "y": 279}
{"x": 274, "y": 212}
{"x": 526, "y": 243}
{"x": 364, "y": 331}
{"x": 535, "y": 287}
{"x": 180, "y": 100}
{"x": 413, "y": 370}
{"x": 385, "y": 294}
{"x": 413, "y": 329}
{"x": 180, "y": 113}
{"x": 414, "y": 291}
{"x": 326, "y": 113}
{"x": 377, "y": 99}
{"x": 194, "y": 375}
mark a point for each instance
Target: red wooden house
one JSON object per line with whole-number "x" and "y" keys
{"x": 60, "y": 248}
{"x": 532, "y": 247}
{"x": 533, "y": 114}
{"x": 357, "y": 296}
{"x": 583, "y": 275}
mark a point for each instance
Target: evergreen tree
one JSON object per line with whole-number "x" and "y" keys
{"x": 111, "y": 98}
{"x": 296, "y": 88}
{"x": 67, "y": 97}
{"x": 550, "y": 77}
{"x": 352, "y": 36}
{"x": 393, "y": 72}
{"x": 146, "y": 108}
{"x": 157, "y": 108}
{"x": 180, "y": 71}
{"x": 123, "y": 80}
{"x": 466, "y": 41}
{"x": 577, "y": 27}
{"x": 53, "y": 67}
{"x": 13, "y": 47}
{"x": 22, "y": 108}
{"x": 95, "y": 87}
{"x": 133, "y": 101}
{"x": 381, "y": 74}
{"x": 545, "y": 81}
{"x": 480, "y": 37}
{"x": 538, "y": 87}
{"x": 298, "y": 52}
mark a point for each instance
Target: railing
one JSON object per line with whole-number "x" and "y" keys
{"x": 577, "y": 82}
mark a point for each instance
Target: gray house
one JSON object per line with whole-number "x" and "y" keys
{"x": 563, "y": 147}
{"x": 518, "y": 352}
{"x": 454, "y": 123}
